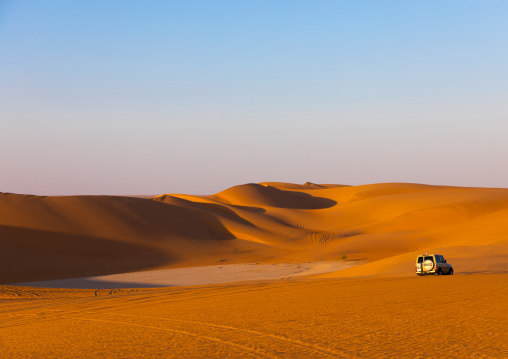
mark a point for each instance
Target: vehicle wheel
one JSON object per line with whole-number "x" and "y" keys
{"x": 439, "y": 272}
{"x": 450, "y": 272}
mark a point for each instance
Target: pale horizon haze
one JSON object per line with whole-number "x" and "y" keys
{"x": 151, "y": 97}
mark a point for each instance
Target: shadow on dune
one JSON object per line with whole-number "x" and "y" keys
{"x": 158, "y": 219}
{"x": 31, "y": 255}
{"x": 250, "y": 209}
{"x": 90, "y": 283}
{"x": 347, "y": 234}
{"x": 315, "y": 202}
{"x": 208, "y": 208}
{"x": 82, "y": 236}
{"x": 226, "y": 212}
{"x": 256, "y": 195}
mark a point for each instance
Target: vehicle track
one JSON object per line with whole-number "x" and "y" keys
{"x": 317, "y": 348}
{"x": 216, "y": 340}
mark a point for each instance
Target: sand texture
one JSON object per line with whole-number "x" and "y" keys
{"x": 460, "y": 316}
{"x": 320, "y": 270}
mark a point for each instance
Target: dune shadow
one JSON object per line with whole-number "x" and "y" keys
{"x": 157, "y": 218}
{"x": 89, "y": 283}
{"x": 351, "y": 234}
{"x": 254, "y": 194}
{"x": 314, "y": 202}
{"x": 32, "y": 254}
{"x": 249, "y": 208}
{"x": 229, "y": 213}
{"x": 295, "y": 200}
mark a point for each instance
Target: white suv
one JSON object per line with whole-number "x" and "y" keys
{"x": 434, "y": 264}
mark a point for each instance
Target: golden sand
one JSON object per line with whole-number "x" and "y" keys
{"x": 457, "y": 316}
{"x": 376, "y": 308}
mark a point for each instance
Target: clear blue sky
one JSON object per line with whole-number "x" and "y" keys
{"x": 149, "y": 97}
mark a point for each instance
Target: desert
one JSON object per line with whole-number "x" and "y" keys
{"x": 265, "y": 269}
{"x": 253, "y": 179}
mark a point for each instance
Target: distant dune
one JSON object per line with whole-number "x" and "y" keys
{"x": 380, "y": 226}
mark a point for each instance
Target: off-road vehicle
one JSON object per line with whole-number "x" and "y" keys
{"x": 433, "y": 264}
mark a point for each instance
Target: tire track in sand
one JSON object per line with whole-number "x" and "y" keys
{"x": 216, "y": 340}
{"x": 317, "y": 348}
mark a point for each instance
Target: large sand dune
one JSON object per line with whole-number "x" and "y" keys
{"x": 380, "y": 226}
{"x": 373, "y": 307}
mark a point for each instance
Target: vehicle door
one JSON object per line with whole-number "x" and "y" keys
{"x": 445, "y": 266}
{"x": 439, "y": 263}
{"x": 419, "y": 265}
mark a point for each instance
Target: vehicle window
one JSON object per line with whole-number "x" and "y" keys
{"x": 439, "y": 259}
{"x": 420, "y": 259}
{"x": 429, "y": 258}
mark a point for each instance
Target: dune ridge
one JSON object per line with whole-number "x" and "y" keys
{"x": 380, "y": 226}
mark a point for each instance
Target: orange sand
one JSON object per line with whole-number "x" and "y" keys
{"x": 46, "y": 238}
{"x": 376, "y": 308}
{"x": 461, "y": 316}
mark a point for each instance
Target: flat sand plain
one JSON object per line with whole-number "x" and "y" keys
{"x": 461, "y": 316}
{"x": 376, "y": 308}
{"x": 227, "y": 273}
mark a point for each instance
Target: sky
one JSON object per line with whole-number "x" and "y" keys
{"x": 150, "y": 97}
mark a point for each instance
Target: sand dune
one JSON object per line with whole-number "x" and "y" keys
{"x": 374, "y": 306}
{"x": 380, "y": 225}
{"x": 256, "y": 195}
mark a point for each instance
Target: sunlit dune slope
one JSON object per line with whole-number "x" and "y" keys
{"x": 381, "y": 226}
